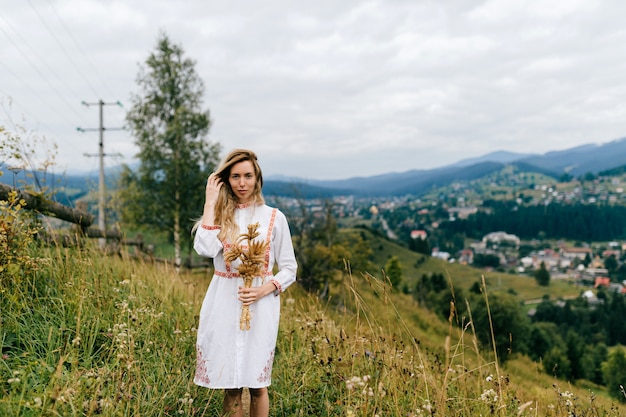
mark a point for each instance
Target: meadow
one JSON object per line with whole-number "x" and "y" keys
{"x": 84, "y": 334}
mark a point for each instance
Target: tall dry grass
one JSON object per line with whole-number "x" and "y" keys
{"x": 92, "y": 335}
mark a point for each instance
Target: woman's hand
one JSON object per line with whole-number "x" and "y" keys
{"x": 251, "y": 295}
{"x": 213, "y": 185}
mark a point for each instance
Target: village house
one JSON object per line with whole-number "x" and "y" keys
{"x": 551, "y": 259}
{"x": 419, "y": 234}
{"x": 588, "y": 276}
{"x": 576, "y": 253}
{"x": 436, "y": 253}
{"x": 461, "y": 212}
{"x": 466, "y": 257}
{"x": 502, "y": 239}
{"x": 611, "y": 252}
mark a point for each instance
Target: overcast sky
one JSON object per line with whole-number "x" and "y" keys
{"x": 327, "y": 89}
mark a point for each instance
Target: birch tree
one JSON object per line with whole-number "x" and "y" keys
{"x": 171, "y": 130}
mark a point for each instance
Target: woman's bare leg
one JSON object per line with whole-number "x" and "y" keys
{"x": 232, "y": 406}
{"x": 259, "y": 402}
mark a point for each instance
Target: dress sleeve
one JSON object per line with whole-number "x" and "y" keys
{"x": 206, "y": 243}
{"x": 284, "y": 255}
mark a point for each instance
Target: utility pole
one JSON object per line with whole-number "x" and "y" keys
{"x": 101, "y": 155}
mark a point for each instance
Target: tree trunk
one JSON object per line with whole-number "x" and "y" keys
{"x": 47, "y": 207}
{"x": 177, "y": 257}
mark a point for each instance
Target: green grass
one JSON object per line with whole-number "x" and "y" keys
{"x": 90, "y": 335}
{"x": 463, "y": 277}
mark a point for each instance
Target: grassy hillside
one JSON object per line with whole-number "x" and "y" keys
{"x": 462, "y": 276}
{"x": 109, "y": 336}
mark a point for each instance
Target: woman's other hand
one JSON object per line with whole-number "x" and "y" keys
{"x": 213, "y": 185}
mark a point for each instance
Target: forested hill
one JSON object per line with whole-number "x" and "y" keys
{"x": 576, "y": 222}
{"x": 593, "y": 159}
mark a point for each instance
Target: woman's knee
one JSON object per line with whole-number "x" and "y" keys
{"x": 258, "y": 392}
{"x": 233, "y": 393}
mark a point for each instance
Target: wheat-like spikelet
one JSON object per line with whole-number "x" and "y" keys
{"x": 252, "y": 263}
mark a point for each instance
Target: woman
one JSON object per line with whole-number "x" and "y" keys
{"x": 228, "y": 357}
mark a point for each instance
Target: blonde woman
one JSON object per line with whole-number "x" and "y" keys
{"x": 229, "y": 357}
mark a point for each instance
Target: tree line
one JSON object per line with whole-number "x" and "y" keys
{"x": 582, "y": 222}
{"x": 571, "y": 338}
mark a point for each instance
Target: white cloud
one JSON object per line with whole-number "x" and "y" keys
{"x": 331, "y": 89}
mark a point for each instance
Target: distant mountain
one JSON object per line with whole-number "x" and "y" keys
{"x": 582, "y": 159}
{"x": 410, "y": 182}
{"x": 504, "y": 157}
{"x": 297, "y": 189}
{"x": 575, "y": 161}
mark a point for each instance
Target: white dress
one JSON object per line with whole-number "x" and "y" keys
{"x": 228, "y": 357}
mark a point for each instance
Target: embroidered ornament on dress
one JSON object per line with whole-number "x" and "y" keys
{"x": 252, "y": 262}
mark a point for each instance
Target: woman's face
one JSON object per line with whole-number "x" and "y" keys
{"x": 242, "y": 180}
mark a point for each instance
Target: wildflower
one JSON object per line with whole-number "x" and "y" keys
{"x": 37, "y": 402}
{"x": 381, "y": 390}
{"x": 13, "y": 380}
{"x": 186, "y": 399}
{"x": 489, "y": 378}
{"x": 105, "y": 403}
{"x": 568, "y": 398}
{"x": 489, "y": 396}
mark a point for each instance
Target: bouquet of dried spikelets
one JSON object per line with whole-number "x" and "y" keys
{"x": 252, "y": 256}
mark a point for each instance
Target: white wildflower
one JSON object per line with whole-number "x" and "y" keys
{"x": 489, "y": 396}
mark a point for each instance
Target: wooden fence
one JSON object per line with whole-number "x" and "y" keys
{"x": 84, "y": 221}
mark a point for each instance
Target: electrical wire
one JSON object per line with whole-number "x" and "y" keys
{"x": 77, "y": 45}
{"x": 69, "y": 57}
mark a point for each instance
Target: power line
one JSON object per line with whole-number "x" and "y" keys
{"x": 69, "y": 57}
{"x": 32, "y": 90}
{"x": 49, "y": 69}
{"x": 67, "y": 30}
{"x": 41, "y": 74}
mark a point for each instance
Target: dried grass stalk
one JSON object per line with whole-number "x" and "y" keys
{"x": 252, "y": 263}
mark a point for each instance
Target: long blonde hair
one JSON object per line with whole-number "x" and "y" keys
{"x": 226, "y": 200}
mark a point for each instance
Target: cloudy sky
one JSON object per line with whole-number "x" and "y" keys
{"x": 327, "y": 89}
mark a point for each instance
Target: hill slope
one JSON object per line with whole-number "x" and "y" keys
{"x": 113, "y": 336}
{"x": 576, "y": 161}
